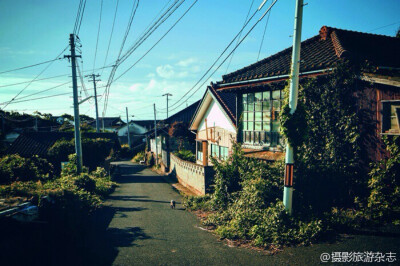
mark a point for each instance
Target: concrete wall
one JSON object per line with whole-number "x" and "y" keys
{"x": 195, "y": 177}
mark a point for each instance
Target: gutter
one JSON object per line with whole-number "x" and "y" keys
{"x": 271, "y": 78}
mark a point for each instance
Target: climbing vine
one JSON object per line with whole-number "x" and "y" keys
{"x": 325, "y": 133}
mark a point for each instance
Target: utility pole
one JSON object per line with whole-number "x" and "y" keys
{"x": 167, "y": 94}
{"x": 155, "y": 132}
{"x": 127, "y": 121}
{"x": 78, "y": 144}
{"x": 294, "y": 84}
{"x": 93, "y": 76}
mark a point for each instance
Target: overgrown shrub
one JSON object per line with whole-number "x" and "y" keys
{"x": 185, "y": 155}
{"x": 326, "y": 132}
{"x": 95, "y": 151}
{"x": 125, "y": 152}
{"x": 245, "y": 204}
{"x": 85, "y": 182}
{"x": 384, "y": 182}
{"x": 16, "y": 168}
{"x": 139, "y": 157}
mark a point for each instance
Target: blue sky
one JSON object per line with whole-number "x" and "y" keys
{"x": 35, "y": 31}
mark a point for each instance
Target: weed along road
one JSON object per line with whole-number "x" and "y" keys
{"x": 140, "y": 228}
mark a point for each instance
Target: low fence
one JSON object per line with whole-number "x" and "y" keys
{"x": 194, "y": 176}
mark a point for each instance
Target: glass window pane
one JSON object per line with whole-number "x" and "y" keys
{"x": 245, "y": 125}
{"x": 257, "y": 126}
{"x": 267, "y": 126}
{"x": 250, "y": 125}
{"x": 258, "y": 116}
{"x": 258, "y": 106}
{"x": 258, "y": 97}
{"x": 250, "y": 98}
{"x": 250, "y": 116}
{"x": 266, "y": 105}
{"x": 276, "y": 94}
{"x": 277, "y": 104}
{"x": 244, "y": 106}
{"x": 245, "y": 98}
{"x": 250, "y": 107}
{"x": 244, "y": 116}
{"x": 275, "y": 126}
{"x": 266, "y": 95}
{"x": 266, "y": 116}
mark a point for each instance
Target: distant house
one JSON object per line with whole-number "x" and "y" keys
{"x": 259, "y": 87}
{"x": 111, "y": 124}
{"x": 215, "y": 125}
{"x": 137, "y": 131}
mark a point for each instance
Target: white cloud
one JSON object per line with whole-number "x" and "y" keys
{"x": 166, "y": 71}
{"x": 187, "y": 62}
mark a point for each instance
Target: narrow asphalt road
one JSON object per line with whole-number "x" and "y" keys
{"x": 141, "y": 229}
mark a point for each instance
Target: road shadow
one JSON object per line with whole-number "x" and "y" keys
{"x": 123, "y": 179}
{"x": 138, "y": 199}
{"x": 43, "y": 243}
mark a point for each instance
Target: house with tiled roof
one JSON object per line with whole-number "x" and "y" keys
{"x": 215, "y": 125}
{"x": 110, "y": 124}
{"x": 259, "y": 87}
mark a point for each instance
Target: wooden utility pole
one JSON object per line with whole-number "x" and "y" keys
{"x": 293, "y": 94}
{"x": 78, "y": 144}
{"x": 93, "y": 76}
{"x": 155, "y": 133}
{"x": 127, "y": 124}
{"x": 167, "y": 94}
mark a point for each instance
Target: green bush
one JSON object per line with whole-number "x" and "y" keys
{"x": 384, "y": 198}
{"x": 95, "y": 151}
{"x": 16, "y": 168}
{"x": 245, "y": 205}
{"x": 139, "y": 157}
{"x": 196, "y": 202}
{"x": 185, "y": 155}
{"x": 85, "y": 182}
{"x": 124, "y": 152}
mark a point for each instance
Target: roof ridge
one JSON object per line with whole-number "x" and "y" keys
{"x": 359, "y": 32}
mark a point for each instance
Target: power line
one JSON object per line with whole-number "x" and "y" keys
{"x": 98, "y": 33}
{"x": 38, "y": 64}
{"x": 53, "y": 77}
{"x": 262, "y": 40}
{"x": 112, "y": 31}
{"x": 39, "y": 92}
{"x": 391, "y": 24}
{"x": 34, "y": 78}
{"x": 141, "y": 39}
{"x": 251, "y": 29}
{"x": 162, "y": 37}
{"x": 247, "y": 16}
{"x": 39, "y": 98}
{"x": 79, "y": 17}
{"x": 215, "y": 62}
